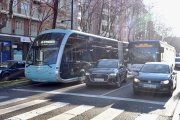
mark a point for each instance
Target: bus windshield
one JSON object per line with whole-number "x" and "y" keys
{"x": 45, "y": 49}
{"x": 141, "y": 55}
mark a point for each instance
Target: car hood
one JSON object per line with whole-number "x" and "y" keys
{"x": 153, "y": 76}
{"x": 103, "y": 70}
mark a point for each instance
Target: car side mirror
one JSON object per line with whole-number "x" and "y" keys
{"x": 161, "y": 49}
{"x": 174, "y": 73}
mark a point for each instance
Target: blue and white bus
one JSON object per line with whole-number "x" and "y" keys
{"x": 142, "y": 51}
{"x": 58, "y": 55}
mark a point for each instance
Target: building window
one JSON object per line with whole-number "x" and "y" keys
{"x": 25, "y": 8}
{"x": 19, "y": 24}
{"x": 34, "y": 27}
{"x": 15, "y": 6}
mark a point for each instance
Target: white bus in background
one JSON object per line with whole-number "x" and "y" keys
{"x": 142, "y": 51}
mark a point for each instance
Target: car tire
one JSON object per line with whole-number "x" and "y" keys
{"x": 118, "y": 82}
{"x": 171, "y": 91}
{"x": 125, "y": 78}
{"x": 88, "y": 85}
{"x": 5, "y": 77}
{"x": 136, "y": 92}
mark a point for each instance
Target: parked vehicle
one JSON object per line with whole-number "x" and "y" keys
{"x": 177, "y": 62}
{"x": 106, "y": 71}
{"x": 12, "y": 69}
{"x": 155, "y": 77}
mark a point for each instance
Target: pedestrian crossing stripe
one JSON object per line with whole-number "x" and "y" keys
{"x": 108, "y": 114}
{"x": 38, "y": 111}
{"x": 147, "y": 117}
{"x": 11, "y": 101}
{"x": 21, "y": 106}
{"x": 72, "y": 113}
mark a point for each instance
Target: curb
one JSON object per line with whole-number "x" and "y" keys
{"x": 176, "y": 115}
{"x": 13, "y": 83}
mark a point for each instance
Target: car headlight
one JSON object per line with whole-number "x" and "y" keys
{"x": 165, "y": 82}
{"x": 87, "y": 73}
{"x": 112, "y": 74}
{"x": 136, "y": 80}
{"x": 0, "y": 71}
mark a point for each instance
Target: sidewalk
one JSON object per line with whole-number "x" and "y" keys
{"x": 176, "y": 115}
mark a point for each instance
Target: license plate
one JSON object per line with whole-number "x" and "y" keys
{"x": 149, "y": 86}
{"x": 99, "y": 79}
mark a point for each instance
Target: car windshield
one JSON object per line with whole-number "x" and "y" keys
{"x": 155, "y": 68}
{"x": 177, "y": 60}
{"x": 107, "y": 64}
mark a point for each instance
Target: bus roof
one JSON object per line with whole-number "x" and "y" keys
{"x": 137, "y": 41}
{"x": 73, "y": 31}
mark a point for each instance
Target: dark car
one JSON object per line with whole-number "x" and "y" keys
{"x": 11, "y": 69}
{"x": 106, "y": 71}
{"x": 177, "y": 62}
{"x": 155, "y": 77}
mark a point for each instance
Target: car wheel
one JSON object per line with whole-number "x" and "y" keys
{"x": 118, "y": 82}
{"x": 171, "y": 91}
{"x": 88, "y": 85}
{"x": 136, "y": 92}
{"x": 125, "y": 77}
{"x": 6, "y": 77}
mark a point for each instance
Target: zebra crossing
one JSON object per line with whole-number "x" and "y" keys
{"x": 48, "y": 106}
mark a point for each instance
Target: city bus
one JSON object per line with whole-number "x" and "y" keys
{"x": 58, "y": 55}
{"x": 142, "y": 51}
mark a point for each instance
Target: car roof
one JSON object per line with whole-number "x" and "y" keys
{"x": 108, "y": 60}
{"x": 158, "y": 63}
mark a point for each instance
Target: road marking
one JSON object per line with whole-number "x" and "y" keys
{"x": 39, "y": 111}
{"x": 147, "y": 117}
{"x": 116, "y": 89}
{"x": 3, "y": 97}
{"x": 94, "y": 96}
{"x": 21, "y": 106}
{"x": 109, "y": 114}
{"x": 11, "y": 101}
{"x": 72, "y": 113}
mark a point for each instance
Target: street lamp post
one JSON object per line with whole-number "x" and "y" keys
{"x": 71, "y": 14}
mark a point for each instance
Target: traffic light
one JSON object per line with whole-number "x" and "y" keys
{"x": 10, "y": 8}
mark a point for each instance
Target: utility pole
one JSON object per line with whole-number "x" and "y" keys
{"x": 71, "y": 14}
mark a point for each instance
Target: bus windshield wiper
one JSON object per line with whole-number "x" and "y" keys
{"x": 46, "y": 63}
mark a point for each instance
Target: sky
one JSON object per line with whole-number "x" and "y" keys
{"x": 168, "y": 12}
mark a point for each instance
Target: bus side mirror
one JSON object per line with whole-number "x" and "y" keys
{"x": 161, "y": 50}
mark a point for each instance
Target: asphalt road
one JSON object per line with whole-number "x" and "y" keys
{"x": 77, "y": 102}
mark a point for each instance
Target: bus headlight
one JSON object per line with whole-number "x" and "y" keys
{"x": 136, "y": 80}
{"x": 165, "y": 82}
